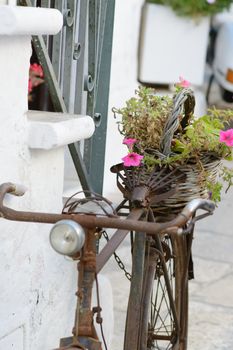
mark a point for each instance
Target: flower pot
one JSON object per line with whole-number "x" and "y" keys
{"x": 171, "y": 46}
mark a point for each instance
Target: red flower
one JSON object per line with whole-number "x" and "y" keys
{"x": 29, "y": 86}
{"x": 37, "y": 70}
{"x": 35, "y": 76}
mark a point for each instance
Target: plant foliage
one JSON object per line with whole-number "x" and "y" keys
{"x": 195, "y": 8}
{"x": 144, "y": 117}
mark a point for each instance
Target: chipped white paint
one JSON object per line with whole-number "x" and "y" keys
{"x": 8, "y": 340}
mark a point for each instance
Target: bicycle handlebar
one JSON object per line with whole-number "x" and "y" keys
{"x": 92, "y": 220}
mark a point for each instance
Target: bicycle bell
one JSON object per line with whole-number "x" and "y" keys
{"x": 67, "y": 237}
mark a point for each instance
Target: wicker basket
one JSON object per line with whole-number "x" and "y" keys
{"x": 169, "y": 190}
{"x": 193, "y": 186}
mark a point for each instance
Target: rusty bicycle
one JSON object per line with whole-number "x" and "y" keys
{"x": 157, "y": 314}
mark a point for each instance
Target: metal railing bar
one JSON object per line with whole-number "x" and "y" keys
{"x": 57, "y": 46}
{"x": 80, "y": 62}
{"x": 97, "y": 159}
{"x": 49, "y": 74}
{"x": 97, "y": 20}
{"x": 63, "y": 52}
{"x": 80, "y": 167}
{"x": 92, "y": 62}
{"x": 68, "y": 57}
{"x": 103, "y": 13}
{"x": 44, "y": 3}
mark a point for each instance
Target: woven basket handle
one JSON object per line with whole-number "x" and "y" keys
{"x": 183, "y": 107}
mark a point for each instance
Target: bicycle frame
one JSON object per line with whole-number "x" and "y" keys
{"x": 135, "y": 339}
{"x": 90, "y": 263}
{"x": 84, "y": 333}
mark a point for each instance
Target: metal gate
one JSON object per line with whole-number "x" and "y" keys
{"x": 76, "y": 65}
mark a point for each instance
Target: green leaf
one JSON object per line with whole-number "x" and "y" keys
{"x": 215, "y": 190}
{"x": 178, "y": 146}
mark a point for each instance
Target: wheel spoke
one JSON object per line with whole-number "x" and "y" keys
{"x": 164, "y": 301}
{"x": 160, "y": 313}
{"x": 162, "y": 329}
{"x": 159, "y": 310}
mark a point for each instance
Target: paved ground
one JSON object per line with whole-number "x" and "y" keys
{"x": 211, "y": 293}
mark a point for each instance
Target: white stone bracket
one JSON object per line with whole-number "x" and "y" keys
{"x": 22, "y": 20}
{"x": 48, "y": 130}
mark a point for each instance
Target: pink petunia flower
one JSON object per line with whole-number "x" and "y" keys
{"x": 29, "y": 86}
{"x": 132, "y": 159}
{"x": 210, "y": 1}
{"x": 226, "y": 137}
{"x": 129, "y": 142}
{"x": 35, "y": 76}
{"x": 37, "y": 69}
{"x": 183, "y": 83}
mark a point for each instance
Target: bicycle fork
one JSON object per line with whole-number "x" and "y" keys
{"x": 143, "y": 272}
{"x": 84, "y": 333}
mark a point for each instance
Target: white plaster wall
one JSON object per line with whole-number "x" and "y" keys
{"x": 123, "y": 82}
{"x": 37, "y": 293}
{"x": 37, "y": 300}
{"x": 8, "y": 2}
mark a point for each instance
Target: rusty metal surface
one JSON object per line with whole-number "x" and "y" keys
{"x": 90, "y": 343}
{"x": 87, "y": 266}
{"x": 115, "y": 241}
{"x": 149, "y": 275}
{"x": 134, "y": 306}
{"x": 84, "y": 333}
{"x": 89, "y": 221}
{"x": 70, "y": 343}
{"x": 83, "y": 343}
{"x": 143, "y": 187}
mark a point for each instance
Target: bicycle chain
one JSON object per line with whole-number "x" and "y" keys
{"x": 118, "y": 259}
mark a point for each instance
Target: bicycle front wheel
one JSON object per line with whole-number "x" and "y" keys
{"x": 164, "y": 314}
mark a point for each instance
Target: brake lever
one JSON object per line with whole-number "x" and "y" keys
{"x": 192, "y": 223}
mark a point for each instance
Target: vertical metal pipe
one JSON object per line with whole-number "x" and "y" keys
{"x": 87, "y": 266}
{"x": 135, "y": 297}
{"x": 149, "y": 277}
{"x": 90, "y": 82}
{"x": 57, "y": 47}
{"x": 69, "y": 51}
{"x": 97, "y": 157}
{"x": 82, "y": 24}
